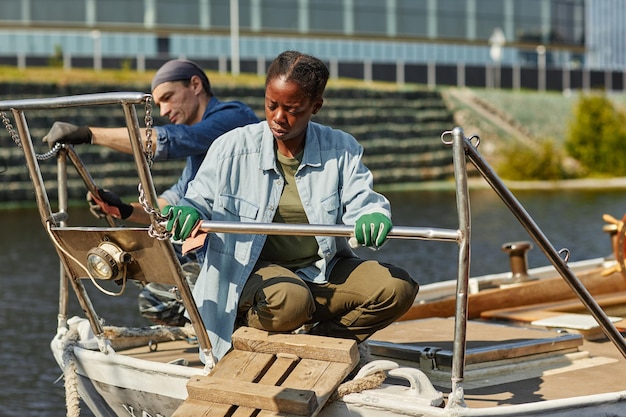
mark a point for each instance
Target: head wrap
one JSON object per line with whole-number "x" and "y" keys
{"x": 180, "y": 70}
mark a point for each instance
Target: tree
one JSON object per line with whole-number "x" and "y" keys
{"x": 597, "y": 135}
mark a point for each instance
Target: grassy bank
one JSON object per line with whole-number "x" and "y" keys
{"x": 131, "y": 78}
{"x": 544, "y": 114}
{"x": 507, "y": 119}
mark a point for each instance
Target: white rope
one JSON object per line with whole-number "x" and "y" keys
{"x": 370, "y": 381}
{"x": 159, "y": 333}
{"x": 72, "y": 397}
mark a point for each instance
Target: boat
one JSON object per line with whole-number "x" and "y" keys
{"x": 544, "y": 341}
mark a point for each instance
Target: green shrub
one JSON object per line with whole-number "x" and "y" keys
{"x": 56, "y": 60}
{"x": 597, "y": 135}
{"x": 524, "y": 163}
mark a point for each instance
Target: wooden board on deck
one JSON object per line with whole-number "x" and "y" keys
{"x": 531, "y": 292}
{"x": 271, "y": 374}
{"x": 540, "y": 312}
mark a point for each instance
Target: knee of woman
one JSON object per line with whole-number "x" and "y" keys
{"x": 295, "y": 309}
{"x": 404, "y": 290}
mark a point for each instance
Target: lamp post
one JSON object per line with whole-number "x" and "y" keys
{"x": 541, "y": 67}
{"x": 97, "y": 49}
{"x": 234, "y": 36}
{"x": 497, "y": 41}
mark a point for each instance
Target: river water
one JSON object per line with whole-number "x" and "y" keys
{"x": 570, "y": 219}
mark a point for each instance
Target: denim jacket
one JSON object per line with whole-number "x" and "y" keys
{"x": 177, "y": 141}
{"x": 239, "y": 181}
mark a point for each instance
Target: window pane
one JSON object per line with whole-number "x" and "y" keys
{"x": 120, "y": 11}
{"x": 527, "y": 21}
{"x": 326, "y": 16}
{"x": 568, "y": 23}
{"x": 279, "y": 14}
{"x": 451, "y": 19}
{"x": 412, "y": 18}
{"x": 63, "y": 11}
{"x": 11, "y": 10}
{"x": 181, "y": 12}
{"x": 370, "y": 17}
{"x": 220, "y": 13}
{"x": 489, "y": 15}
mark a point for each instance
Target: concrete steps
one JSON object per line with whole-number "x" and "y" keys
{"x": 400, "y": 133}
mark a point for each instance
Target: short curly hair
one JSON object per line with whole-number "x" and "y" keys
{"x": 310, "y": 73}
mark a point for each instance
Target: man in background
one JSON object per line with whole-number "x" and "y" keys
{"x": 182, "y": 91}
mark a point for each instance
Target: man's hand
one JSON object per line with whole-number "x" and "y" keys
{"x": 67, "y": 133}
{"x": 181, "y": 220}
{"x": 108, "y": 203}
{"x": 372, "y": 229}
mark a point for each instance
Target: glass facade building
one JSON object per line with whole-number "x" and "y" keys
{"x": 575, "y": 33}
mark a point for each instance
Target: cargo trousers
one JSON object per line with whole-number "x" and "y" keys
{"x": 360, "y": 298}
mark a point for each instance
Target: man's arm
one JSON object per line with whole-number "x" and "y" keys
{"x": 116, "y": 138}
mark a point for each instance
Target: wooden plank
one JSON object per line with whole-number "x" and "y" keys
{"x": 275, "y": 375}
{"x": 531, "y": 292}
{"x": 439, "y": 332}
{"x": 538, "y": 311}
{"x": 248, "y": 394}
{"x": 322, "y": 377}
{"x": 541, "y": 311}
{"x": 307, "y": 374}
{"x": 265, "y": 375}
{"x": 197, "y": 408}
{"x": 302, "y": 345}
{"x": 522, "y": 315}
{"x": 238, "y": 365}
{"x": 243, "y": 366}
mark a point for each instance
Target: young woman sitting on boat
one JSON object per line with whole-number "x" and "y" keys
{"x": 288, "y": 169}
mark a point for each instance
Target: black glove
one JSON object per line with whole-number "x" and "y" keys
{"x": 67, "y": 133}
{"x": 108, "y": 203}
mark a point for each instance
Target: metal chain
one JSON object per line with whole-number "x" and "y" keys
{"x": 10, "y": 129}
{"x": 156, "y": 228}
{"x": 16, "y": 138}
{"x": 149, "y": 121}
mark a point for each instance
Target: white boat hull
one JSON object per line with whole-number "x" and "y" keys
{"x": 116, "y": 385}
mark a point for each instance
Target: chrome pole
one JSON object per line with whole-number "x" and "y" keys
{"x": 546, "y": 247}
{"x": 463, "y": 212}
{"x": 397, "y": 232}
{"x": 62, "y": 198}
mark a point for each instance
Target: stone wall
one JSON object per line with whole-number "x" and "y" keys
{"x": 400, "y": 132}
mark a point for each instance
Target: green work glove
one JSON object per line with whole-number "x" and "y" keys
{"x": 180, "y": 220}
{"x": 372, "y": 229}
{"x": 67, "y": 133}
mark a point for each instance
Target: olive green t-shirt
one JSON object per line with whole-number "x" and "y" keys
{"x": 290, "y": 251}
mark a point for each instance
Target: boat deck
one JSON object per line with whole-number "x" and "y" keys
{"x": 575, "y": 367}
{"x": 589, "y": 368}
{"x": 599, "y": 374}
